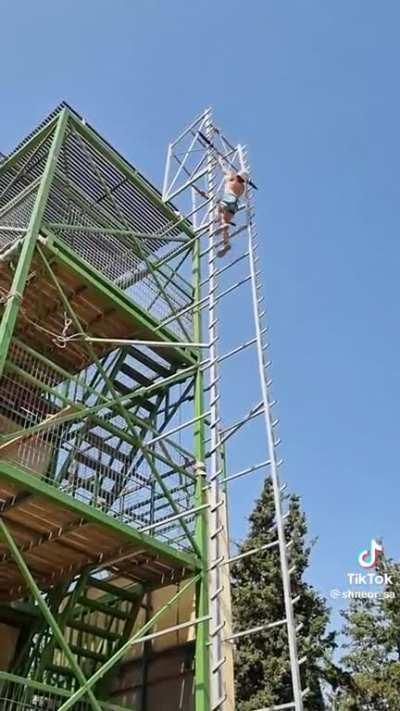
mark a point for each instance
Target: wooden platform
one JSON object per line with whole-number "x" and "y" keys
{"x": 59, "y": 537}
{"x": 104, "y": 311}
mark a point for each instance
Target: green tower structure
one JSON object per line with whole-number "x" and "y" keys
{"x": 102, "y": 498}
{"x": 114, "y": 449}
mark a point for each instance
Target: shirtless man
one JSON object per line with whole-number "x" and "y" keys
{"x": 235, "y": 184}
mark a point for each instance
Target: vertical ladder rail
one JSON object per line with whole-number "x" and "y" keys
{"x": 217, "y": 623}
{"x": 272, "y": 455}
{"x": 213, "y": 148}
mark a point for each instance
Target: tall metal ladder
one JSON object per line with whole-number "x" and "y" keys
{"x": 193, "y": 181}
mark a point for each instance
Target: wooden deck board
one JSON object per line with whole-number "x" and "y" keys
{"x": 69, "y": 549}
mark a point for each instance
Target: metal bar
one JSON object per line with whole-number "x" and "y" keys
{"x": 202, "y": 652}
{"x": 291, "y": 625}
{"x": 222, "y": 156}
{"x": 120, "y": 653}
{"x": 280, "y": 707}
{"x": 204, "y": 301}
{"x": 165, "y": 521}
{"x": 236, "y": 350}
{"x": 174, "y": 628}
{"x": 244, "y": 472}
{"x": 252, "y": 630}
{"x": 233, "y": 234}
{"x": 235, "y": 558}
{"x": 178, "y": 172}
{"x": 47, "y": 614}
{"x": 151, "y": 344}
{"x": 230, "y": 431}
{"x": 178, "y": 428}
{"x": 26, "y": 164}
{"x": 18, "y": 285}
{"x": 186, "y": 185}
{"x": 228, "y": 266}
{"x": 189, "y": 128}
{"x": 217, "y": 685}
{"x": 113, "y": 231}
{"x": 13, "y": 157}
{"x": 166, "y": 173}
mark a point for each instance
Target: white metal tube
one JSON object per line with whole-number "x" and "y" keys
{"x": 252, "y": 630}
{"x": 178, "y": 428}
{"x": 217, "y": 686}
{"x": 291, "y": 626}
{"x": 165, "y": 521}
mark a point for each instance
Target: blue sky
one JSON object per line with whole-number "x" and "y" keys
{"x": 312, "y": 88}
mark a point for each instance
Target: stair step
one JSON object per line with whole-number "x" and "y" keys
{"x": 111, "y": 589}
{"x": 124, "y": 390}
{"x": 149, "y": 362}
{"x": 88, "y": 654}
{"x": 92, "y": 629}
{"x": 136, "y": 375}
{"x": 57, "y": 669}
{"x": 95, "y": 464}
{"x": 109, "y": 449}
{"x": 101, "y": 607}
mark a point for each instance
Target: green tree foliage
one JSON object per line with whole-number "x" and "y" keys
{"x": 372, "y": 628}
{"x": 262, "y": 669}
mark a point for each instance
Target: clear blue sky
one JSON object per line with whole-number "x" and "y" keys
{"x": 312, "y": 88}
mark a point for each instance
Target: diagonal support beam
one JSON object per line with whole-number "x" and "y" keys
{"x": 18, "y": 285}
{"x": 120, "y": 653}
{"x": 47, "y": 614}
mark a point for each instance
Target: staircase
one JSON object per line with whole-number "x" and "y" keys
{"x": 97, "y": 617}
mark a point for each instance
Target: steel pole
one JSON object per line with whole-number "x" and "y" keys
{"x": 29, "y": 242}
{"x": 290, "y": 621}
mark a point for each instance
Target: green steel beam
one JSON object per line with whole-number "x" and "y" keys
{"x": 53, "y": 690}
{"x": 9, "y": 161}
{"x": 202, "y": 653}
{"x": 47, "y": 614}
{"x": 120, "y": 653}
{"x": 18, "y": 285}
{"x": 29, "y": 482}
{"x": 20, "y": 197}
{"x": 21, "y": 170}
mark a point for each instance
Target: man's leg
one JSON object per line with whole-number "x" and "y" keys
{"x": 225, "y": 219}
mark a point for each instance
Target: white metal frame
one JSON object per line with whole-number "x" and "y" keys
{"x": 194, "y": 169}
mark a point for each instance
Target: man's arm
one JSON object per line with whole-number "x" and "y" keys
{"x": 226, "y": 169}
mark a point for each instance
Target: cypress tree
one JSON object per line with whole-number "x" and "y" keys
{"x": 262, "y": 658}
{"x": 372, "y": 628}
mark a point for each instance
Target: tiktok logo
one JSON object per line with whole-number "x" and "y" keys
{"x": 369, "y": 558}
